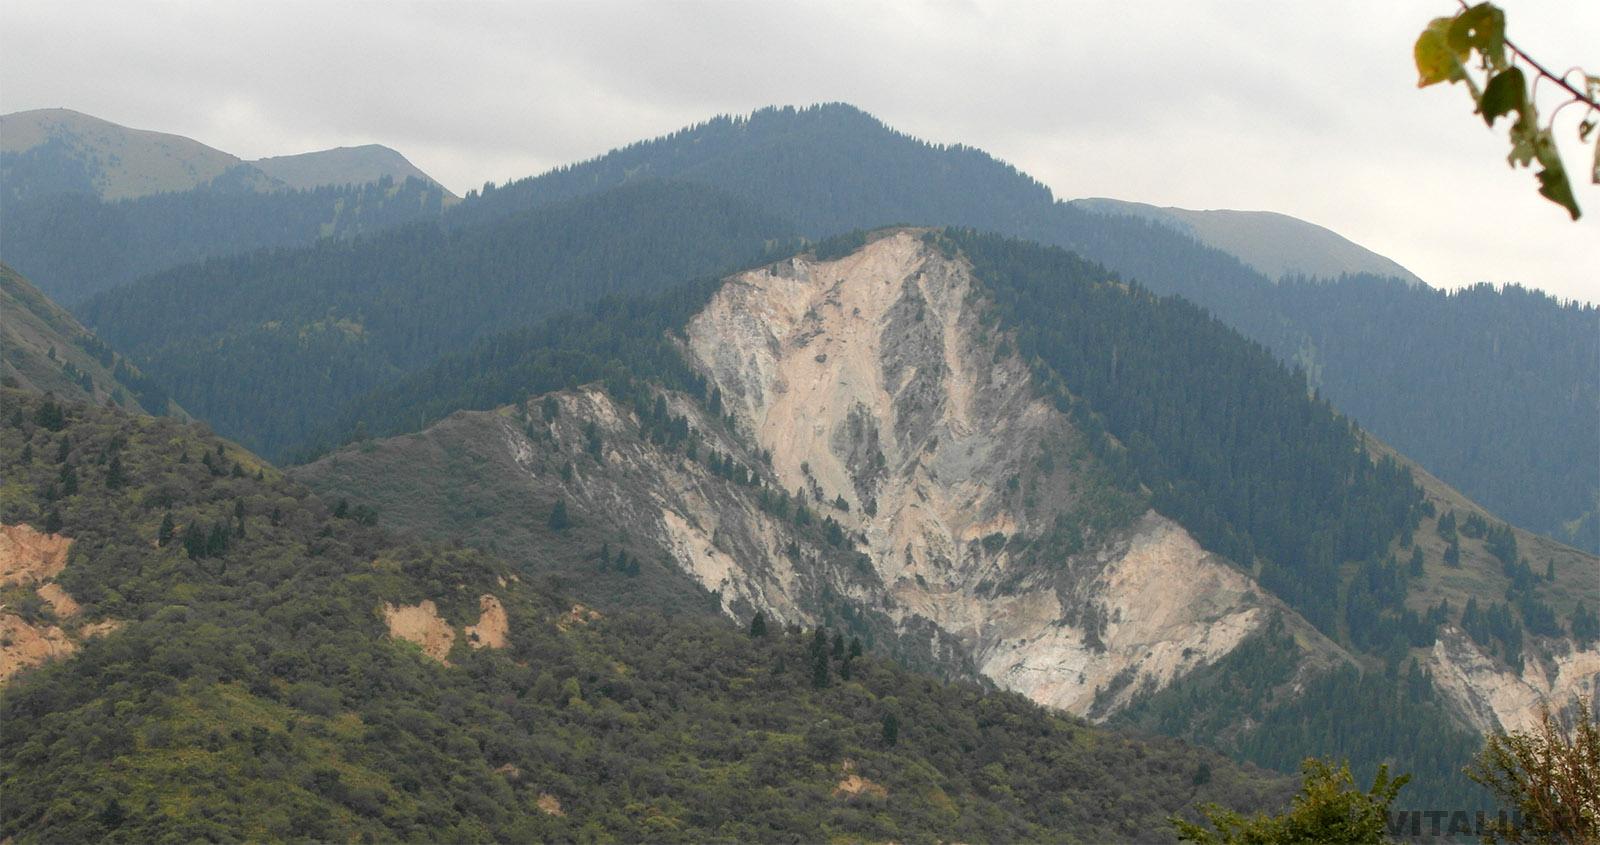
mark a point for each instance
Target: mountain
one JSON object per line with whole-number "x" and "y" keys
{"x": 1274, "y": 245}
{"x": 344, "y": 166}
{"x": 44, "y": 349}
{"x": 829, "y": 169}
{"x": 60, "y": 151}
{"x": 56, "y": 151}
{"x": 976, "y": 454}
{"x": 198, "y": 648}
{"x": 316, "y": 327}
{"x": 91, "y": 205}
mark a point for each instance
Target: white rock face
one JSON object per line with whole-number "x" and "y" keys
{"x": 1493, "y": 698}
{"x": 726, "y": 543}
{"x": 874, "y": 380}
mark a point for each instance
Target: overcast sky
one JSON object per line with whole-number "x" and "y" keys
{"x": 1305, "y": 108}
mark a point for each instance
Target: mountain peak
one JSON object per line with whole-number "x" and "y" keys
{"x": 342, "y": 165}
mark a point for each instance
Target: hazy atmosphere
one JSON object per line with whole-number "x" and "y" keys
{"x": 1309, "y": 109}
{"x": 761, "y": 422}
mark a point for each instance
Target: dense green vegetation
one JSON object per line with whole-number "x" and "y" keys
{"x": 267, "y": 347}
{"x": 1520, "y": 433}
{"x": 1391, "y": 715}
{"x": 252, "y": 692}
{"x": 52, "y": 167}
{"x": 623, "y": 342}
{"x": 1228, "y": 441}
{"x": 74, "y": 246}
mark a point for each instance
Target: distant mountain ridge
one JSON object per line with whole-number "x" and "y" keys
{"x": 1275, "y": 245}
{"x": 50, "y": 151}
{"x": 343, "y": 165}
{"x": 90, "y": 205}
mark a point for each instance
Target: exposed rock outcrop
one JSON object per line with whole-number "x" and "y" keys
{"x": 493, "y": 629}
{"x": 1494, "y": 697}
{"x": 877, "y": 382}
{"x": 30, "y": 556}
{"x": 421, "y": 624}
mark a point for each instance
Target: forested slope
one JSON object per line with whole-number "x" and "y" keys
{"x": 75, "y": 245}
{"x": 271, "y": 344}
{"x": 44, "y": 349}
{"x": 251, "y": 677}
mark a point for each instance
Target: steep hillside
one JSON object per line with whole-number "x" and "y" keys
{"x": 53, "y": 151}
{"x": 272, "y": 344}
{"x": 345, "y": 166}
{"x": 1494, "y": 390}
{"x": 44, "y": 349}
{"x": 876, "y": 388}
{"x": 234, "y": 658}
{"x": 1274, "y": 245}
{"x": 1536, "y": 634}
{"x": 78, "y": 246}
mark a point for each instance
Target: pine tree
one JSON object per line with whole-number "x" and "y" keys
{"x": 52, "y": 523}
{"x": 819, "y": 659}
{"x": 559, "y": 521}
{"x": 114, "y": 476}
{"x": 758, "y": 625}
{"x": 891, "y": 729}
{"x": 194, "y": 541}
{"x": 167, "y": 529}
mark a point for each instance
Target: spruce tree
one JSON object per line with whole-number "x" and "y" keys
{"x": 559, "y": 521}
{"x": 891, "y": 729}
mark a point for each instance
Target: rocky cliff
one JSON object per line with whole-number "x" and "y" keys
{"x": 876, "y": 382}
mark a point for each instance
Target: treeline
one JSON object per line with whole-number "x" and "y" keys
{"x": 73, "y": 245}
{"x": 269, "y": 346}
{"x": 252, "y": 692}
{"x": 1224, "y": 436}
{"x": 828, "y": 168}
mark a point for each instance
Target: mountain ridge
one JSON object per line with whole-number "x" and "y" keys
{"x": 1274, "y": 244}
{"x": 116, "y": 162}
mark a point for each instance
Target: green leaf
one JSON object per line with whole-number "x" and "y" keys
{"x": 1504, "y": 94}
{"x": 1524, "y": 141}
{"x": 1596, "y": 174}
{"x": 1436, "y": 61}
{"x": 1554, "y": 187}
{"x": 1481, "y": 28}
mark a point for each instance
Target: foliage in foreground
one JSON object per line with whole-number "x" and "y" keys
{"x": 1329, "y": 808}
{"x": 1550, "y": 775}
